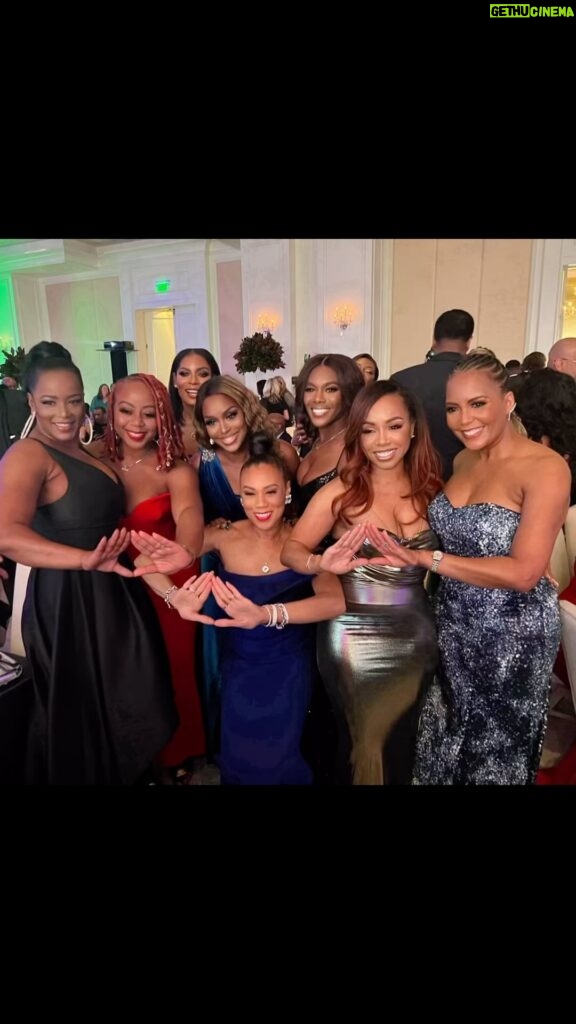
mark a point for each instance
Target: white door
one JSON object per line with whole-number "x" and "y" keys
{"x": 155, "y": 334}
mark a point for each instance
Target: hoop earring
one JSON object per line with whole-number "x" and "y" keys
{"x": 28, "y": 425}
{"x": 288, "y": 498}
{"x": 89, "y": 441}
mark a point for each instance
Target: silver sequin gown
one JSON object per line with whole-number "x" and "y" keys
{"x": 377, "y": 660}
{"x": 484, "y": 717}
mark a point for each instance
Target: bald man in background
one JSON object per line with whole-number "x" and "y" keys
{"x": 562, "y": 356}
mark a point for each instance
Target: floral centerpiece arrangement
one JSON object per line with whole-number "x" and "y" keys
{"x": 259, "y": 352}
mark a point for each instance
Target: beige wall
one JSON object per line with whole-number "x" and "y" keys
{"x": 488, "y": 277}
{"x": 84, "y": 314}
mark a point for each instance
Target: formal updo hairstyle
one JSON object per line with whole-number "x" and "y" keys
{"x": 263, "y": 451}
{"x": 47, "y": 355}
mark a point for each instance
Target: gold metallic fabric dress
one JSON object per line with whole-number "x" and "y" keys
{"x": 377, "y": 661}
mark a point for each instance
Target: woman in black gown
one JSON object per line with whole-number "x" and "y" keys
{"x": 103, "y": 703}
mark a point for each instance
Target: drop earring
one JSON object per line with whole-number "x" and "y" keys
{"x": 28, "y": 425}
{"x": 88, "y": 426}
{"x": 211, "y": 440}
{"x": 288, "y": 498}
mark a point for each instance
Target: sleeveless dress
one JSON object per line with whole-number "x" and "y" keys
{"x": 377, "y": 661}
{"x": 103, "y": 703}
{"x": 267, "y": 677}
{"x": 484, "y": 718}
{"x": 155, "y": 514}
{"x": 219, "y": 501}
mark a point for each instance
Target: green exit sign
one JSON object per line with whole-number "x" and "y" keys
{"x": 163, "y": 286}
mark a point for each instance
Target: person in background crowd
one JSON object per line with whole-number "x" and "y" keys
{"x": 100, "y": 400}
{"x": 562, "y": 356}
{"x": 546, "y": 405}
{"x": 99, "y": 421}
{"x": 191, "y": 368}
{"x": 10, "y": 382}
{"x": 368, "y": 367}
{"x": 513, "y": 366}
{"x": 453, "y": 331}
{"x": 533, "y": 361}
{"x": 497, "y": 612}
{"x": 279, "y": 416}
{"x": 103, "y": 705}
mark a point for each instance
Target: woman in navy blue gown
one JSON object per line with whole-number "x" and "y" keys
{"x": 268, "y": 660}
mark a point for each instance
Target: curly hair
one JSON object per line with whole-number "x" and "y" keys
{"x": 546, "y": 405}
{"x": 170, "y": 444}
{"x": 254, "y": 414}
{"x": 347, "y": 373}
{"x": 173, "y": 390}
{"x": 422, "y": 461}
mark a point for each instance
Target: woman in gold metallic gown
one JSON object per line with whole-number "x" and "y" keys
{"x": 378, "y": 658}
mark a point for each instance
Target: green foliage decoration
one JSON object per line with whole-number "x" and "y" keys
{"x": 259, "y": 352}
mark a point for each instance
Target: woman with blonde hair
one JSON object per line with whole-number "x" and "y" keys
{"x": 497, "y": 610}
{"x": 276, "y": 391}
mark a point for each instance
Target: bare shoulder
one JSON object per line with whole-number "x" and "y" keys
{"x": 181, "y": 471}
{"x": 542, "y": 464}
{"x": 26, "y": 452}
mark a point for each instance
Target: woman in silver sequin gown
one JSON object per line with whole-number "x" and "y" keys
{"x": 378, "y": 658}
{"x": 484, "y": 718}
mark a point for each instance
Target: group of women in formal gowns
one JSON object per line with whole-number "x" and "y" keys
{"x": 480, "y": 695}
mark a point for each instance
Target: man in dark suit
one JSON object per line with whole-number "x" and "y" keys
{"x": 452, "y": 333}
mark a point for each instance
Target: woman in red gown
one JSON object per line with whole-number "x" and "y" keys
{"x": 145, "y": 443}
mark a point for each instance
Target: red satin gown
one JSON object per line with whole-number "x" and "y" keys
{"x": 155, "y": 515}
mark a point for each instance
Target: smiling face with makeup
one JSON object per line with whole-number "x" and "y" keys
{"x": 192, "y": 372}
{"x": 135, "y": 420}
{"x": 323, "y": 397}
{"x": 387, "y": 432}
{"x": 57, "y": 399}
{"x": 477, "y": 408}
{"x": 263, "y": 489}
{"x": 224, "y": 422}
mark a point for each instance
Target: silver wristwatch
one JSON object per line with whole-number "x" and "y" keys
{"x": 437, "y": 557}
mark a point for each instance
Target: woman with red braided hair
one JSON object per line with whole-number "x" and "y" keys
{"x": 162, "y": 496}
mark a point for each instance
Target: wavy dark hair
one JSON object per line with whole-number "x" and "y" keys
{"x": 546, "y": 405}
{"x": 347, "y": 373}
{"x": 422, "y": 461}
{"x": 173, "y": 390}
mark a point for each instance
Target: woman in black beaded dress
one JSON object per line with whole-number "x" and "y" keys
{"x": 497, "y": 610}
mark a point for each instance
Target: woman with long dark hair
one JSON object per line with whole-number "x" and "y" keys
{"x": 191, "y": 368}
{"x": 378, "y": 658}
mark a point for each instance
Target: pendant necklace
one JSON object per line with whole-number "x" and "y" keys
{"x": 126, "y": 469}
{"x": 337, "y": 434}
{"x": 265, "y": 567}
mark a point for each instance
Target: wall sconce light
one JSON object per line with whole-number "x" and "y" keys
{"x": 265, "y": 324}
{"x": 569, "y": 307}
{"x": 343, "y": 317}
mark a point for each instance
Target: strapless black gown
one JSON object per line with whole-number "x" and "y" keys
{"x": 103, "y": 701}
{"x": 377, "y": 661}
{"x": 484, "y": 718}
